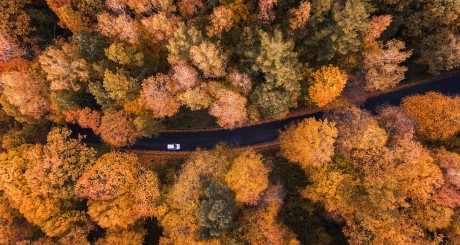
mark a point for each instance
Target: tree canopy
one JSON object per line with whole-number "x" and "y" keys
{"x": 122, "y": 70}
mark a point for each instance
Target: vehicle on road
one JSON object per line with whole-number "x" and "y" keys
{"x": 268, "y": 132}
{"x": 173, "y": 147}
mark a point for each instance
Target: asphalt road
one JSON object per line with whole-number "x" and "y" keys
{"x": 268, "y": 132}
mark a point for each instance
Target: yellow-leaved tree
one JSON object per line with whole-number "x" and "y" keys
{"x": 248, "y": 177}
{"x": 325, "y": 85}
{"x": 119, "y": 191}
{"x": 38, "y": 181}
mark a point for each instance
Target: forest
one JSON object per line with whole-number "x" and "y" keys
{"x": 130, "y": 69}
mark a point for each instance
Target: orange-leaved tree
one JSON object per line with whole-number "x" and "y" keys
{"x": 300, "y": 16}
{"x": 24, "y": 93}
{"x": 221, "y": 21}
{"x": 117, "y": 129}
{"x": 64, "y": 67}
{"x": 309, "y": 143}
{"x": 437, "y": 116}
{"x": 39, "y": 179}
{"x": 111, "y": 176}
{"x": 325, "y": 85}
{"x": 359, "y": 133}
{"x": 248, "y": 177}
{"x": 157, "y": 95}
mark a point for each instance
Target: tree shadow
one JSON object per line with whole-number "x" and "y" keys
{"x": 309, "y": 221}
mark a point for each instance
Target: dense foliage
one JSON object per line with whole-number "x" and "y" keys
{"x": 242, "y": 61}
{"x": 126, "y": 69}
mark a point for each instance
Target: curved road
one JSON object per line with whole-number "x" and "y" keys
{"x": 268, "y": 132}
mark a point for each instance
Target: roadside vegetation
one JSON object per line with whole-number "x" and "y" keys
{"x": 127, "y": 69}
{"x": 348, "y": 177}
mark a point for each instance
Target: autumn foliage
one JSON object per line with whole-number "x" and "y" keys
{"x": 300, "y": 16}
{"x": 436, "y": 115}
{"x": 43, "y": 176}
{"x": 109, "y": 178}
{"x": 86, "y": 118}
{"x": 300, "y": 143}
{"x": 248, "y": 177}
{"x": 382, "y": 61}
{"x": 25, "y": 93}
{"x": 229, "y": 107}
{"x": 326, "y": 84}
{"x": 122, "y": 70}
{"x": 157, "y": 95}
{"x": 117, "y": 129}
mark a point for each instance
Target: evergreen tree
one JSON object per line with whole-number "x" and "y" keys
{"x": 278, "y": 62}
{"x": 336, "y": 27}
{"x": 216, "y": 210}
{"x": 272, "y": 103}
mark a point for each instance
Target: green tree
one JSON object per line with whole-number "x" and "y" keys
{"x": 210, "y": 164}
{"x": 120, "y": 87}
{"x": 64, "y": 100}
{"x": 430, "y": 28}
{"x": 216, "y": 210}
{"x": 90, "y": 45}
{"x": 278, "y": 62}
{"x": 147, "y": 125}
{"x": 99, "y": 93}
{"x": 124, "y": 54}
{"x": 272, "y": 103}
{"x": 336, "y": 27}
{"x": 444, "y": 55}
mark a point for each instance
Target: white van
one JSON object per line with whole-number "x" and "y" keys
{"x": 173, "y": 147}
